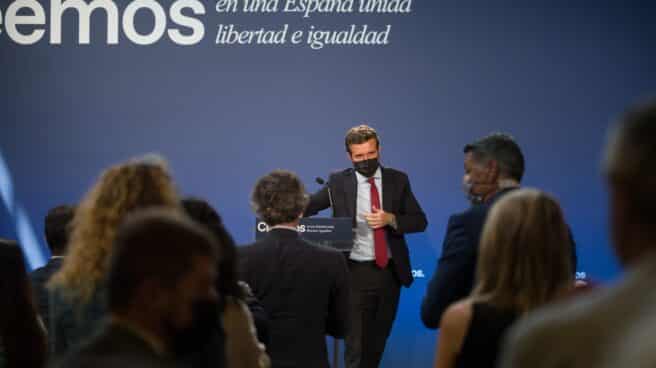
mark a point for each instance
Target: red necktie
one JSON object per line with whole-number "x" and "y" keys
{"x": 380, "y": 243}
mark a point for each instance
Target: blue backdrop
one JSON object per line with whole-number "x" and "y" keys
{"x": 553, "y": 75}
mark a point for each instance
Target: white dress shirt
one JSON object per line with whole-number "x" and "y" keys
{"x": 363, "y": 242}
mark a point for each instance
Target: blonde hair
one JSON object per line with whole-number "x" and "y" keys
{"x": 525, "y": 252}
{"x": 120, "y": 190}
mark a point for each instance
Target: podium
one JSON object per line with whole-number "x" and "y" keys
{"x": 334, "y": 232}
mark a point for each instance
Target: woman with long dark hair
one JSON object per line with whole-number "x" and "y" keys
{"x": 242, "y": 347}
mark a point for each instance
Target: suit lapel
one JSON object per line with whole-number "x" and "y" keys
{"x": 388, "y": 189}
{"x": 351, "y": 190}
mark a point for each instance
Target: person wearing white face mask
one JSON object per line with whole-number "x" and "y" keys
{"x": 494, "y": 166}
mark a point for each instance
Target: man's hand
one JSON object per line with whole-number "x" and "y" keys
{"x": 380, "y": 218}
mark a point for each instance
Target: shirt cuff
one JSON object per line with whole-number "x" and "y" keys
{"x": 393, "y": 224}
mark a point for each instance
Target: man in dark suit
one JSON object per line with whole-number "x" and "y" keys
{"x": 383, "y": 208}
{"x": 57, "y": 229}
{"x": 303, "y": 287}
{"x": 161, "y": 294}
{"x": 494, "y": 165}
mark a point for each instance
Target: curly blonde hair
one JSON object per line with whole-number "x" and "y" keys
{"x": 121, "y": 189}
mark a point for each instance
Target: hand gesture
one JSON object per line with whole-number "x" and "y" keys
{"x": 379, "y": 218}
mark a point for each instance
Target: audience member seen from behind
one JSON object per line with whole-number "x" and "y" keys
{"x": 22, "y": 336}
{"x": 242, "y": 348}
{"x": 524, "y": 262}
{"x": 228, "y": 284}
{"x": 159, "y": 305}
{"x": 612, "y": 327}
{"x": 303, "y": 287}
{"x": 78, "y": 300}
{"x": 57, "y": 230}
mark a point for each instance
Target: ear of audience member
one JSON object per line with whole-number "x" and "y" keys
{"x": 239, "y": 306}
{"x": 524, "y": 263}
{"x": 22, "y": 336}
{"x": 161, "y": 294}
{"x": 57, "y": 229}
{"x": 78, "y": 300}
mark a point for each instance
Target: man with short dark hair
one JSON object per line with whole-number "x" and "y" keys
{"x": 614, "y": 327}
{"x": 303, "y": 287}
{"x": 161, "y": 294}
{"x": 383, "y": 208}
{"x": 57, "y": 229}
{"x": 494, "y": 165}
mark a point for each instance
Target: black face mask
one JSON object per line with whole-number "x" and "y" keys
{"x": 366, "y": 167}
{"x": 199, "y": 332}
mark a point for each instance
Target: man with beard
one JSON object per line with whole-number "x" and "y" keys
{"x": 384, "y": 209}
{"x": 162, "y": 300}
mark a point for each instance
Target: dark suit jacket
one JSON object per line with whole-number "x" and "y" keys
{"x": 117, "y": 347}
{"x": 304, "y": 289}
{"x": 397, "y": 199}
{"x": 40, "y": 277}
{"x": 453, "y": 278}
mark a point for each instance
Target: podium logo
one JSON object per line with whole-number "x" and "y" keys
{"x": 262, "y": 227}
{"x": 24, "y": 21}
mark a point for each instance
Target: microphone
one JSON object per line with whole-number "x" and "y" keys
{"x": 320, "y": 181}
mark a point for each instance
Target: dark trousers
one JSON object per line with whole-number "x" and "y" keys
{"x": 374, "y": 300}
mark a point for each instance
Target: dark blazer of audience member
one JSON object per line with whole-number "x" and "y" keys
{"x": 57, "y": 229}
{"x": 22, "y": 335}
{"x": 494, "y": 166}
{"x": 238, "y": 306}
{"x": 303, "y": 287}
{"x": 78, "y": 299}
{"x": 158, "y": 306}
{"x": 524, "y": 262}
